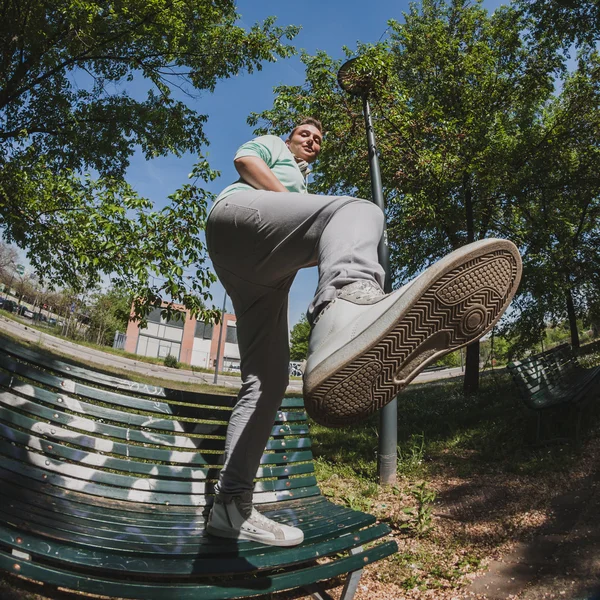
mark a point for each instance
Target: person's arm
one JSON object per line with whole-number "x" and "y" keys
{"x": 255, "y": 171}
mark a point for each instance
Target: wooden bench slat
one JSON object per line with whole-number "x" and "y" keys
{"x": 185, "y": 537}
{"x": 124, "y": 385}
{"x": 128, "y": 465}
{"x": 96, "y": 429}
{"x": 106, "y": 485}
{"x": 103, "y": 445}
{"x": 190, "y": 591}
{"x": 118, "y": 486}
{"x": 222, "y": 559}
{"x": 162, "y": 415}
{"x": 61, "y": 501}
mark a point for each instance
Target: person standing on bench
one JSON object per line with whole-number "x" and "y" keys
{"x": 364, "y": 345}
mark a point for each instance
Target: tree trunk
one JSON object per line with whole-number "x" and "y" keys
{"x": 572, "y": 319}
{"x": 471, "y": 379}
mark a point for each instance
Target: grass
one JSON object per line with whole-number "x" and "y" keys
{"x": 469, "y": 481}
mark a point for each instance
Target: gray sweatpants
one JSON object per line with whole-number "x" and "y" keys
{"x": 258, "y": 241}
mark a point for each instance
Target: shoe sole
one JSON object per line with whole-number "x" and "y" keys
{"x": 457, "y": 301}
{"x": 247, "y": 537}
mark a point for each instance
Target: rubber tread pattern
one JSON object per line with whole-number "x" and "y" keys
{"x": 458, "y": 308}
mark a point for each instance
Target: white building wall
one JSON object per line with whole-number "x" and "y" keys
{"x": 201, "y": 353}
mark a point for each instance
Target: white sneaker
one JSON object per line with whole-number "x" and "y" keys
{"x": 366, "y": 346}
{"x": 235, "y": 517}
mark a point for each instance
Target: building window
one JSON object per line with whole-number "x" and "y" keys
{"x": 154, "y": 317}
{"x": 231, "y": 336}
{"x": 204, "y": 331}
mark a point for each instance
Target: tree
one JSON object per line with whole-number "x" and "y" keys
{"x": 299, "y": 339}
{"x": 463, "y": 89}
{"x": 556, "y": 208}
{"x": 108, "y": 312}
{"x": 8, "y": 262}
{"x": 83, "y": 85}
{"x": 567, "y": 21}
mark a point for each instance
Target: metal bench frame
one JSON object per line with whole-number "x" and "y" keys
{"x": 106, "y": 484}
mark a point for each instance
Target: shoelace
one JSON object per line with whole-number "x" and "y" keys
{"x": 363, "y": 289}
{"x": 250, "y": 513}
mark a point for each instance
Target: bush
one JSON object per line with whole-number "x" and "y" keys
{"x": 171, "y": 361}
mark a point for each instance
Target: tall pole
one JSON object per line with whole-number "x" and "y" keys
{"x": 220, "y": 339}
{"x": 357, "y": 80}
{"x": 388, "y": 417}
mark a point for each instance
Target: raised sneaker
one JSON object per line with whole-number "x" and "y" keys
{"x": 366, "y": 346}
{"x": 235, "y": 517}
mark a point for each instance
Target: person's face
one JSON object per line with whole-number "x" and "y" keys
{"x": 305, "y": 143}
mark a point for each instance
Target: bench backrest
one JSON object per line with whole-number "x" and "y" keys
{"x": 539, "y": 376}
{"x": 81, "y": 434}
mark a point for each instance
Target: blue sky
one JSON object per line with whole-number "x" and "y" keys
{"x": 326, "y": 25}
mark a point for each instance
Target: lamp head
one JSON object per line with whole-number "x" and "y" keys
{"x": 356, "y": 78}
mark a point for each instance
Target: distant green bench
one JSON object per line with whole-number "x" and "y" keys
{"x": 104, "y": 486}
{"x": 555, "y": 378}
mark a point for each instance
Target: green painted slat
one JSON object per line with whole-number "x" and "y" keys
{"x": 90, "y": 427}
{"x": 285, "y": 458}
{"x": 177, "y": 559}
{"x": 223, "y": 590}
{"x": 102, "y": 445}
{"x": 63, "y": 401}
{"x": 119, "y": 514}
{"x": 94, "y": 459}
{"x": 293, "y": 403}
{"x": 64, "y": 369}
{"x": 195, "y": 416}
{"x": 182, "y": 538}
{"x": 143, "y": 493}
{"x": 98, "y": 444}
{"x": 130, "y": 538}
{"x": 98, "y": 428}
{"x": 94, "y": 377}
{"x": 121, "y": 486}
{"x": 30, "y": 374}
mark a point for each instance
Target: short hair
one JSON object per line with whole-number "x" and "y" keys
{"x": 308, "y": 121}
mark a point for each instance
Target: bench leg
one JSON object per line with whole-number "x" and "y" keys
{"x": 316, "y": 593}
{"x": 350, "y": 585}
{"x": 352, "y": 579}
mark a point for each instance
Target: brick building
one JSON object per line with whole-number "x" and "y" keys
{"x": 190, "y": 341}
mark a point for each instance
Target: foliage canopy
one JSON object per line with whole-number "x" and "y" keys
{"x": 83, "y": 85}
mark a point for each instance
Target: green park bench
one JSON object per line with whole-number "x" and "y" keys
{"x": 555, "y": 379}
{"x": 105, "y": 486}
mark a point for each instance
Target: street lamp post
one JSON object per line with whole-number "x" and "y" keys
{"x": 360, "y": 84}
{"x": 220, "y": 339}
